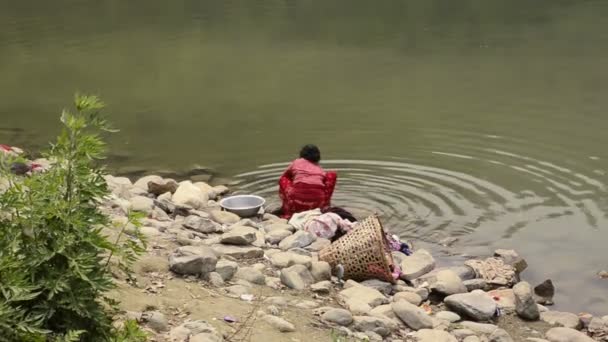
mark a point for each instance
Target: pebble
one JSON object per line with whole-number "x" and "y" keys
{"x": 448, "y": 316}
{"x": 410, "y": 297}
{"x": 277, "y": 225}
{"x": 251, "y": 275}
{"x": 413, "y": 316}
{"x": 141, "y": 183}
{"x": 525, "y": 305}
{"x": 476, "y": 305}
{"x": 320, "y": 270}
{"x": 338, "y": 316}
{"x": 239, "y": 235}
{"x": 279, "y": 323}
{"x": 296, "y": 277}
{"x": 163, "y": 186}
{"x": 562, "y": 319}
{"x": 300, "y": 239}
{"x": 566, "y": 335}
{"x": 318, "y": 245}
{"x": 448, "y": 283}
{"x": 418, "y": 264}
{"x": 385, "y": 310}
{"x": 427, "y": 335}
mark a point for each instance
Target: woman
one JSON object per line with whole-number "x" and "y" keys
{"x": 305, "y": 185}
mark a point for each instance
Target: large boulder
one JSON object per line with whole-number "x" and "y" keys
{"x": 476, "y": 305}
{"x": 566, "y": 335}
{"x": 296, "y": 277}
{"x": 193, "y": 260}
{"x": 190, "y": 195}
{"x": 300, "y": 239}
{"x": 525, "y": 305}
{"x": 238, "y": 252}
{"x": 448, "y": 283}
{"x": 561, "y": 319}
{"x": 412, "y": 315}
{"x": 428, "y": 335}
{"x": 239, "y": 235}
{"x": 416, "y": 265}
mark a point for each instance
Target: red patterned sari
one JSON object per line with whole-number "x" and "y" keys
{"x": 301, "y": 197}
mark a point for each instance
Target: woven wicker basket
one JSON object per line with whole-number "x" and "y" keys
{"x": 364, "y": 252}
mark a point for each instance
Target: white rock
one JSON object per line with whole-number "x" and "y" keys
{"x": 525, "y": 306}
{"x": 567, "y": 335}
{"x": 462, "y": 334}
{"x": 410, "y": 297}
{"x": 385, "y": 310}
{"x": 320, "y": 270}
{"x": 480, "y": 328}
{"x": 380, "y": 325}
{"x": 500, "y": 335}
{"x": 296, "y": 277}
{"x": 279, "y": 324}
{"x": 318, "y": 245}
{"x": 190, "y": 195}
{"x": 448, "y": 283}
{"x": 360, "y": 298}
{"x": 277, "y": 225}
{"x": 188, "y": 330}
{"x": 471, "y": 339}
{"x": 287, "y": 259}
{"x": 215, "y": 279}
{"x": 413, "y": 316}
{"x": 142, "y": 204}
{"x": 475, "y": 284}
{"x": 225, "y": 217}
{"x": 142, "y": 183}
{"x": 561, "y": 319}
{"x": 251, "y": 275}
{"x": 300, "y": 239}
{"x": 427, "y": 335}
{"x": 476, "y": 305}
{"x": 156, "y": 321}
{"x": 238, "y": 252}
{"x": 504, "y": 298}
{"x": 276, "y": 236}
{"x": 448, "y": 316}
{"x": 418, "y": 264}
{"x": 239, "y": 235}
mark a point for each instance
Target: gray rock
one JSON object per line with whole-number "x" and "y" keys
{"x": 216, "y": 279}
{"x": 225, "y": 217}
{"x": 475, "y": 284}
{"x": 566, "y": 335}
{"x": 372, "y": 336}
{"x": 413, "y": 316}
{"x": 322, "y": 287}
{"x": 239, "y": 235}
{"x": 190, "y": 195}
{"x": 194, "y": 260}
{"x": 416, "y": 265}
{"x": 279, "y": 324}
{"x": 142, "y": 204}
{"x": 251, "y": 275}
{"x": 287, "y": 259}
{"x": 201, "y": 224}
{"x": 464, "y": 272}
{"x": 338, "y": 316}
{"x": 272, "y": 226}
{"x": 504, "y": 298}
{"x": 320, "y": 270}
{"x": 471, "y": 339}
{"x": 562, "y": 319}
{"x": 461, "y": 334}
{"x": 382, "y": 286}
{"x": 385, "y": 310}
{"x": 164, "y": 186}
{"x": 525, "y": 305}
{"x": 597, "y": 325}
{"x": 361, "y": 299}
{"x": 479, "y": 328}
{"x": 500, "y": 335}
{"x": 191, "y": 329}
{"x": 273, "y": 282}
{"x": 427, "y": 335}
{"x": 226, "y": 269}
{"x": 300, "y": 239}
{"x": 238, "y": 252}
{"x": 156, "y": 321}
{"x": 318, "y": 245}
{"x": 449, "y": 316}
{"x": 301, "y": 251}
{"x": 380, "y": 325}
{"x": 545, "y": 292}
{"x": 510, "y": 257}
{"x": 142, "y": 183}
{"x": 448, "y": 283}
{"x": 276, "y": 236}
{"x": 296, "y": 277}
{"x": 476, "y": 305}
{"x": 410, "y": 297}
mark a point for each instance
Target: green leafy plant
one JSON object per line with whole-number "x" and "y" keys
{"x": 53, "y": 255}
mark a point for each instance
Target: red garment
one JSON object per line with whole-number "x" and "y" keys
{"x": 299, "y": 197}
{"x": 304, "y": 171}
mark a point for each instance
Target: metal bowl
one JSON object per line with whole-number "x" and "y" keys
{"x": 243, "y": 205}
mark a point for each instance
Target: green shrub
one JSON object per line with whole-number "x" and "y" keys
{"x": 53, "y": 256}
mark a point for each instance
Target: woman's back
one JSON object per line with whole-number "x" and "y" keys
{"x": 304, "y": 171}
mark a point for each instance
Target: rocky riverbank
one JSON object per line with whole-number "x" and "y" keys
{"x": 209, "y": 275}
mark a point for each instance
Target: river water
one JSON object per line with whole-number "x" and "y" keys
{"x": 482, "y": 120}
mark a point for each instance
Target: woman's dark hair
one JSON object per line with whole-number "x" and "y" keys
{"x": 311, "y": 153}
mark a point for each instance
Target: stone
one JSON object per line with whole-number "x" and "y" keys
{"x": 201, "y": 224}
{"x": 385, "y": 310}
{"x": 461, "y": 334}
{"x": 410, "y": 297}
{"x": 279, "y": 323}
{"x": 476, "y": 305}
{"x": 239, "y": 235}
{"x": 226, "y": 269}
{"x": 413, "y": 316}
{"x": 225, "y": 217}
{"x": 471, "y": 339}
{"x": 142, "y": 204}
{"x": 449, "y": 316}
{"x": 306, "y": 305}
{"x": 278, "y": 226}
{"x": 504, "y": 298}
{"x": 322, "y": 287}
{"x": 193, "y": 260}
{"x": 151, "y": 263}
{"x": 278, "y": 301}
{"x": 142, "y": 183}
{"x": 221, "y": 189}
{"x": 416, "y": 265}
{"x": 533, "y": 339}
{"x": 479, "y": 328}
{"x": 320, "y": 270}
{"x": 160, "y": 215}
{"x": 251, "y": 275}
{"x": 525, "y": 305}
{"x": 380, "y": 325}
{"x": 190, "y": 195}
{"x": 287, "y": 259}
{"x": 156, "y": 321}
{"x": 205, "y": 337}
{"x": 561, "y": 319}
{"x": 545, "y": 292}
{"x": 238, "y": 290}
{"x": 163, "y": 186}
{"x": 205, "y": 188}
{"x": 448, "y": 283}
{"x": 150, "y": 232}
{"x": 475, "y": 284}
{"x": 300, "y": 239}
{"x": 296, "y": 277}
{"x": 464, "y": 272}
{"x": 318, "y": 245}
{"x": 566, "y": 335}
{"x": 382, "y": 286}
{"x": 273, "y": 310}
{"x": 188, "y": 330}
{"x": 500, "y": 335}
{"x": 273, "y": 282}
{"x": 238, "y": 252}
{"x": 338, "y": 316}
{"x": 428, "y": 335}
{"x": 276, "y": 236}
{"x": 373, "y": 337}
{"x": 510, "y": 257}
{"x": 597, "y": 325}
{"x": 362, "y": 297}
{"x": 215, "y": 279}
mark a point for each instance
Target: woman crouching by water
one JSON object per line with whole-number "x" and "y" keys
{"x": 305, "y": 185}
